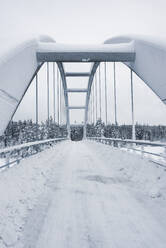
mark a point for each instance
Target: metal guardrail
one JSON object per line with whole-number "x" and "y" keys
{"x": 16, "y": 153}
{"x": 131, "y": 145}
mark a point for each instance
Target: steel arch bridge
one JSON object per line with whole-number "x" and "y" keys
{"x": 20, "y": 63}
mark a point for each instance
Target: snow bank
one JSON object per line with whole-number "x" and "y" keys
{"x": 20, "y": 187}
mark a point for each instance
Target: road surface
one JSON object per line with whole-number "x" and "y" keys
{"x": 89, "y": 206}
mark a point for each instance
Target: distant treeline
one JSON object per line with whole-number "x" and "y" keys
{"x": 143, "y": 132}
{"x": 26, "y": 131}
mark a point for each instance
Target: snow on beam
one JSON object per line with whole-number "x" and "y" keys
{"x": 53, "y": 52}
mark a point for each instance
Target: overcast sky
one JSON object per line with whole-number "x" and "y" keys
{"x": 91, "y": 21}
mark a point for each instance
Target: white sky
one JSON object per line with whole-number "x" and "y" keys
{"x": 84, "y": 22}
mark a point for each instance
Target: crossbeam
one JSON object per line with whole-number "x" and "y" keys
{"x": 85, "y": 56}
{"x": 77, "y": 74}
{"x": 76, "y": 90}
{"x": 76, "y": 107}
{"x": 55, "y": 52}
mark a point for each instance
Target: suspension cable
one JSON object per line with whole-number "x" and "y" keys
{"x": 54, "y": 91}
{"x": 60, "y": 99}
{"x": 100, "y": 89}
{"x": 115, "y": 100}
{"x": 96, "y": 93}
{"x": 48, "y": 94}
{"x": 105, "y": 72}
{"x": 58, "y": 95}
{"x": 132, "y": 106}
{"x": 89, "y": 113}
{"x": 93, "y": 102}
{"x": 91, "y": 108}
{"x": 37, "y": 99}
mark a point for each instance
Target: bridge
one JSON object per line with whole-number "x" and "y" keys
{"x": 99, "y": 192}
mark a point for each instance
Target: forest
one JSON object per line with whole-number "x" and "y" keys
{"x": 27, "y": 131}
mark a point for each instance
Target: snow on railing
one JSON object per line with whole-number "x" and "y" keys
{"x": 133, "y": 144}
{"x": 14, "y": 154}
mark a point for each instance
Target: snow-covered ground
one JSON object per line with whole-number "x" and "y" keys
{"x": 83, "y": 194}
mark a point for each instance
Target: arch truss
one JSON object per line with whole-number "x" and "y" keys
{"x": 93, "y": 55}
{"x": 19, "y": 65}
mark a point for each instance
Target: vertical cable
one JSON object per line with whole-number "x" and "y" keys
{"x": 89, "y": 112}
{"x": 54, "y": 91}
{"x": 115, "y": 101}
{"x": 132, "y": 106}
{"x": 90, "y": 109}
{"x": 48, "y": 93}
{"x": 93, "y": 101}
{"x": 37, "y": 99}
{"x": 60, "y": 99}
{"x": 96, "y": 93}
{"x": 100, "y": 90}
{"x": 58, "y": 95}
{"x": 105, "y": 72}
{"x": 92, "y": 104}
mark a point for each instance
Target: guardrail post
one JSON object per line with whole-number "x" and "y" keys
{"x": 134, "y": 147}
{"x": 18, "y": 154}
{"x": 142, "y": 151}
{"x": 7, "y": 158}
{"x": 165, "y": 152}
{"x": 128, "y": 147}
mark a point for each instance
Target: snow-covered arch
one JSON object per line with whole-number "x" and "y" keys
{"x": 20, "y": 62}
{"x": 18, "y": 66}
{"x": 150, "y": 61}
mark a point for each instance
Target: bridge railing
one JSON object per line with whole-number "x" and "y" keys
{"x": 13, "y": 155}
{"x": 134, "y": 145}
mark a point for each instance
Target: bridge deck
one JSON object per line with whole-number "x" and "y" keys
{"x": 83, "y": 194}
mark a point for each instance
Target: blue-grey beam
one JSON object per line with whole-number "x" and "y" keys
{"x": 74, "y": 90}
{"x": 62, "y": 72}
{"x": 93, "y": 71}
{"x": 76, "y": 107}
{"x": 85, "y": 56}
{"x": 77, "y": 74}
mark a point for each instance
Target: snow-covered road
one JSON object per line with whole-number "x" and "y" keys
{"x": 97, "y": 197}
